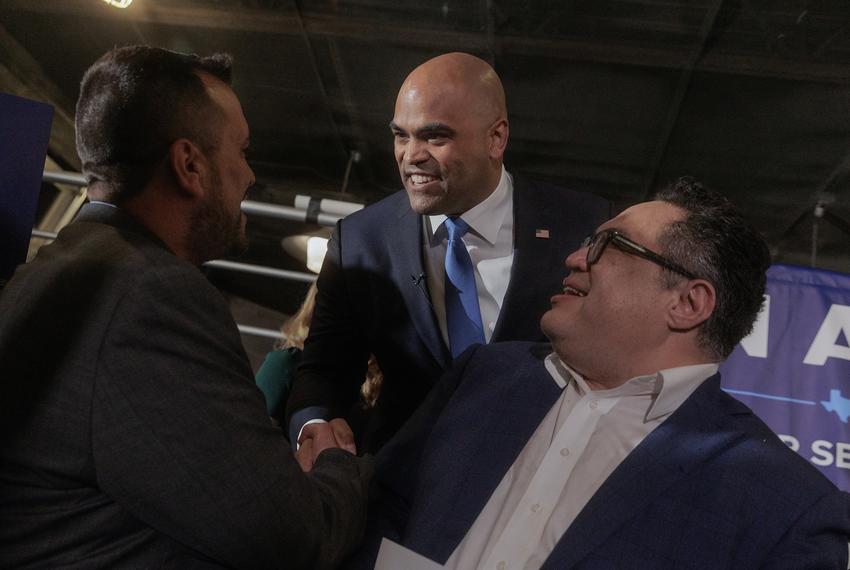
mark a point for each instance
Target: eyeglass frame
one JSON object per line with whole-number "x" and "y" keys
{"x": 624, "y": 244}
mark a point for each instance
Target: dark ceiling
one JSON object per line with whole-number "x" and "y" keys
{"x": 614, "y": 97}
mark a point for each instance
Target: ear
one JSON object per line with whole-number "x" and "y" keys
{"x": 189, "y": 166}
{"x": 498, "y": 138}
{"x": 693, "y": 305}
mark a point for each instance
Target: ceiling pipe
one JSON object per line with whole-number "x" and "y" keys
{"x": 322, "y": 218}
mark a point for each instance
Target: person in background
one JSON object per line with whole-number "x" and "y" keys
{"x": 275, "y": 374}
{"x": 465, "y": 254}
{"x": 614, "y": 446}
{"x": 131, "y": 431}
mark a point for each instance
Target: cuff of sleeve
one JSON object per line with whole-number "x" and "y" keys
{"x": 301, "y": 418}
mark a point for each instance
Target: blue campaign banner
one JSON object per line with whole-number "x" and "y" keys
{"x": 793, "y": 370}
{"x": 24, "y": 134}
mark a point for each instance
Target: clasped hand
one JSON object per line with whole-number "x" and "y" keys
{"x": 315, "y": 438}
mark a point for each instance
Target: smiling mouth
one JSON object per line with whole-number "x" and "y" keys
{"x": 570, "y": 290}
{"x": 422, "y": 179}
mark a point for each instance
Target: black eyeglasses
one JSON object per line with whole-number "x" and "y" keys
{"x": 597, "y": 243}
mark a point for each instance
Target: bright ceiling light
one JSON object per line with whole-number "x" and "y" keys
{"x": 119, "y": 3}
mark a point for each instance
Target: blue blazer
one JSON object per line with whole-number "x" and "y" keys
{"x": 373, "y": 298}
{"x": 712, "y": 487}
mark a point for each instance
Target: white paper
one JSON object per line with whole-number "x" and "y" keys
{"x": 393, "y": 556}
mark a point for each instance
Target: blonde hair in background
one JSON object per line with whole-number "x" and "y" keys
{"x": 371, "y": 387}
{"x": 296, "y": 327}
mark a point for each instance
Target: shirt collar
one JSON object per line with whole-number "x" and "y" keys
{"x": 670, "y": 387}
{"x": 485, "y": 218}
{"x": 677, "y": 384}
{"x": 101, "y": 202}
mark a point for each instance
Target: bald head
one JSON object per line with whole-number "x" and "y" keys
{"x": 451, "y": 129}
{"x": 463, "y": 78}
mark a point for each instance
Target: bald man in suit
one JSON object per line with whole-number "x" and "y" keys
{"x": 384, "y": 288}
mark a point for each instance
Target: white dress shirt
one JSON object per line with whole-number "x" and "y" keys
{"x": 583, "y": 438}
{"x": 490, "y": 243}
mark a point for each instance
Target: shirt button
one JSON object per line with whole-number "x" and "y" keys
{"x": 535, "y": 507}
{"x": 593, "y": 404}
{"x": 565, "y": 452}
{"x": 501, "y": 565}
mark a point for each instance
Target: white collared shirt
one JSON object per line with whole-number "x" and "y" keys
{"x": 583, "y": 438}
{"x": 490, "y": 243}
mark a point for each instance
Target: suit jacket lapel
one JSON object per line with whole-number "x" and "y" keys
{"x": 496, "y": 437}
{"x": 690, "y": 436}
{"x": 533, "y": 257}
{"x": 410, "y": 276}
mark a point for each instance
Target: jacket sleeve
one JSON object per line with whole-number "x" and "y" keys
{"x": 818, "y": 539}
{"x": 181, "y": 438}
{"x": 335, "y": 356}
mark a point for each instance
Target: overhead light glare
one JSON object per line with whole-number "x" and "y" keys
{"x": 317, "y": 248}
{"x": 309, "y": 249}
{"x": 119, "y": 3}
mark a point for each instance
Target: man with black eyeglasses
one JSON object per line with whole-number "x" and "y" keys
{"x": 614, "y": 447}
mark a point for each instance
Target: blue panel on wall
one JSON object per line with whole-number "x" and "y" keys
{"x": 24, "y": 134}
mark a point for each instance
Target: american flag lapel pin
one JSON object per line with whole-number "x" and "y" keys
{"x": 541, "y": 233}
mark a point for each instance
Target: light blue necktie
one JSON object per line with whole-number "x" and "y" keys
{"x": 463, "y": 315}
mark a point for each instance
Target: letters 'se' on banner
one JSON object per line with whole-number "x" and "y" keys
{"x": 793, "y": 370}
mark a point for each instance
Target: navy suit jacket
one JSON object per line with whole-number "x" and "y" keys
{"x": 373, "y": 298}
{"x": 711, "y": 487}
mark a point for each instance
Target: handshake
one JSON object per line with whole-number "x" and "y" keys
{"x": 317, "y": 437}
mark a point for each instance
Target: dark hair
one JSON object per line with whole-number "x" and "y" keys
{"x": 134, "y": 102}
{"x": 717, "y": 244}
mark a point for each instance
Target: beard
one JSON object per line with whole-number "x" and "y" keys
{"x": 213, "y": 231}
